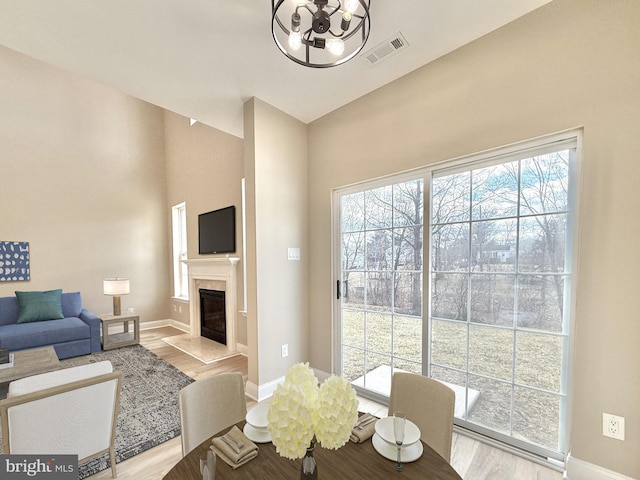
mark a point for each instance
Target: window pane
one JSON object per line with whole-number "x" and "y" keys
{"x": 352, "y": 212}
{"x": 541, "y": 302}
{"x": 353, "y": 289}
{"x": 491, "y": 351}
{"x": 493, "y": 246}
{"x": 408, "y": 203}
{"x": 539, "y": 417}
{"x": 353, "y": 328}
{"x": 449, "y": 296}
{"x": 378, "y": 376}
{"x": 379, "y": 332}
{"x": 458, "y": 381}
{"x": 539, "y": 360}
{"x": 379, "y": 250}
{"x": 353, "y": 251}
{"x": 542, "y": 240}
{"x": 492, "y": 299}
{"x": 544, "y": 183}
{"x": 378, "y": 208}
{"x": 352, "y": 363}
{"x": 407, "y": 251}
{"x": 495, "y": 191}
{"x": 379, "y": 289}
{"x": 450, "y": 247}
{"x": 407, "y": 338}
{"x": 493, "y": 407}
{"x": 449, "y": 344}
{"x": 450, "y": 198}
{"x": 408, "y": 293}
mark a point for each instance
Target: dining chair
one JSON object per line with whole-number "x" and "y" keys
{"x": 429, "y": 404}
{"x": 209, "y": 405}
{"x": 72, "y": 411}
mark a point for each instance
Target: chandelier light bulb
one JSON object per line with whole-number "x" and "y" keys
{"x": 351, "y": 6}
{"x": 335, "y": 46}
{"x": 346, "y": 21}
{"x": 295, "y": 40}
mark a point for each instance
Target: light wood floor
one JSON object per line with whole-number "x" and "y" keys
{"x": 473, "y": 460}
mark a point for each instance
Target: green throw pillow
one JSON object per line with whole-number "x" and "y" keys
{"x": 38, "y": 306}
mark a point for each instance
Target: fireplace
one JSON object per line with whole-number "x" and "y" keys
{"x": 213, "y": 274}
{"x": 213, "y": 321}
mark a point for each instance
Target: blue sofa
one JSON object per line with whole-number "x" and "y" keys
{"x": 78, "y": 333}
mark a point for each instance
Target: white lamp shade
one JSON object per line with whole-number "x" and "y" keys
{"x": 116, "y": 286}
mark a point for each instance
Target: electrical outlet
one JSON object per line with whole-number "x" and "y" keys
{"x": 285, "y": 350}
{"x": 613, "y": 426}
{"x": 131, "y": 310}
{"x": 180, "y": 309}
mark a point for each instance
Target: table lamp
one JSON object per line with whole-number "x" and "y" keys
{"x": 116, "y": 287}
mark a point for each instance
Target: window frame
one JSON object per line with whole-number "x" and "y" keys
{"x": 573, "y": 139}
{"x": 179, "y": 254}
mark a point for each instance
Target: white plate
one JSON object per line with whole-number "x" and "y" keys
{"x": 408, "y": 453}
{"x": 384, "y": 428}
{"x": 257, "y": 416}
{"x": 257, "y": 435}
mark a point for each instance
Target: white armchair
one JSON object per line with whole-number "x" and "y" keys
{"x": 71, "y": 411}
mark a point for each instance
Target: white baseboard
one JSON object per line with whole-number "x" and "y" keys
{"x": 580, "y": 470}
{"x": 168, "y": 322}
{"x": 264, "y": 391}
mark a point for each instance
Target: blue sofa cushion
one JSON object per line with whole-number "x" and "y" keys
{"x": 36, "y": 334}
{"x": 71, "y": 304}
{"x": 8, "y": 310}
{"x": 39, "y": 306}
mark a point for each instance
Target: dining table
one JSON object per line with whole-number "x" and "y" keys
{"x": 352, "y": 461}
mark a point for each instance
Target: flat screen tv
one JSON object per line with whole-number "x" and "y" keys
{"x": 217, "y": 231}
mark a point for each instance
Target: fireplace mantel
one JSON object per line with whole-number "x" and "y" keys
{"x": 210, "y": 270}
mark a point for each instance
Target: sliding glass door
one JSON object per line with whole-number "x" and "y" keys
{"x": 380, "y": 284}
{"x": 496, "y": 322}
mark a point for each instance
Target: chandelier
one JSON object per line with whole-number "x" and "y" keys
{"x": 320, "y": 33}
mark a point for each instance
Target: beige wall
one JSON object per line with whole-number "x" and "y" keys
{"x": 204, "y": 168}
{"x": 571, "y": 63}
{"x": 276, "y": 173}
{"x": 82, "y": 180}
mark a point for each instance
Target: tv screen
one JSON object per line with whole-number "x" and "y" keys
{"x": 217, "y": 231}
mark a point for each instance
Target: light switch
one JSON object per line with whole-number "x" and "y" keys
{"x": 293, "y": 253}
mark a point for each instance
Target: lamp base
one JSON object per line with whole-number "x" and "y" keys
{"x": 116, "y": 305}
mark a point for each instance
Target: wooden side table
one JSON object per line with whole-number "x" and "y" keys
{"x": 127, "y": 337}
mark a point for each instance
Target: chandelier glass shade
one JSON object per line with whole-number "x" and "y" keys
{"x": 320, "y": 33}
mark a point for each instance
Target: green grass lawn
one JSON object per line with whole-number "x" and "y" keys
{"x": 521, "y": 382}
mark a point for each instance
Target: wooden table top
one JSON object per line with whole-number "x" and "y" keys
{"x": 30, "y": 362}
{"x": 353, "y": 461}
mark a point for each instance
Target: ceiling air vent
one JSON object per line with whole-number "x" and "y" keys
{"x": 386, "y": 49}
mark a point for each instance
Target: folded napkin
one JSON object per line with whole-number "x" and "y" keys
{"x": 225, "y": 447}
{"x": 364, "y": 429}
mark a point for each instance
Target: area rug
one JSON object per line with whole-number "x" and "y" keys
{"x": 205, "y": 350}
{"x": 149, "y": 413}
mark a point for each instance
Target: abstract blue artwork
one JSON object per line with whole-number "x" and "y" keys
{"x": 14, "y": 261}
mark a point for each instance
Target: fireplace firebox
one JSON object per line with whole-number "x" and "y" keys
{"x": 213, "y": 317}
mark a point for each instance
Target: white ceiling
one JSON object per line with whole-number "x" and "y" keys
{"x": 205, "y": 58}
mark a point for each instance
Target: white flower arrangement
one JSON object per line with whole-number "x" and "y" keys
{"x": 300, "y": 409}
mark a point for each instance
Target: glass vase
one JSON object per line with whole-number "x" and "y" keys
{"x": 309, "y": 469}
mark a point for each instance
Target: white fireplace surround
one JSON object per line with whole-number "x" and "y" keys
{"x": 213, "y": 274}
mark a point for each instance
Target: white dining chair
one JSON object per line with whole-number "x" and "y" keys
{"x": 71, "y": 411}
{"x": 209, "y": 405}
{"x": 429, "y": 404}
